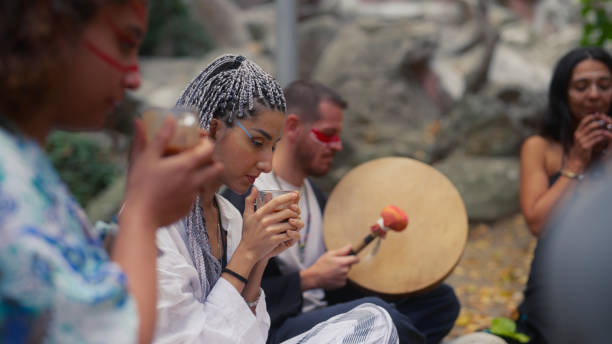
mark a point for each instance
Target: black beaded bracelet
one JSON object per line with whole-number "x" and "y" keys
{"x": 235, "y": 274}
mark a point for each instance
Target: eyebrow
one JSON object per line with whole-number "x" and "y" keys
{"x": 264, "y": 133}
{"x": 582, "y": 80}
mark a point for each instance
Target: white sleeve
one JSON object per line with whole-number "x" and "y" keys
{"x": 181, "y": 318}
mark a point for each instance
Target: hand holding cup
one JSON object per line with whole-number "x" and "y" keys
{"x": 273, "y": 227}
{"x": 186, "y": 132}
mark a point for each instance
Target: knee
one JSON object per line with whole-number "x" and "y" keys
{"x": 449, "y": 299}
{"x": 376, "y": 301}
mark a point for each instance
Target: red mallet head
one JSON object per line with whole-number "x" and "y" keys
{"x": 394, "y": 218}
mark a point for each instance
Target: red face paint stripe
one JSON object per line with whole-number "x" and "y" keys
{"x": 325, "y": 138}
{"x": 111, "y": 61}
{"x": 122, "y": 35}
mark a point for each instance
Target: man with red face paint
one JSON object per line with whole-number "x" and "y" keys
{"x": 306, "y": 284}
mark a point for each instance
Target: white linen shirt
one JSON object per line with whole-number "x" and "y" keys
{"x": 224, "y": 317}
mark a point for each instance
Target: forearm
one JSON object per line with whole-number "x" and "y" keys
{"x": 251, "y": 291}
{"x": 539, "y": 213}
{"x": 308, "y": 279}
{"x": 135, "y": 251}
{"x": 241, "y": 263}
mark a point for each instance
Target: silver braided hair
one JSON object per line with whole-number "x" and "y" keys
{"x": 230, "y": 86}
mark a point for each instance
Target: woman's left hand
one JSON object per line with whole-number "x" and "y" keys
{"x": 293, "y": 236}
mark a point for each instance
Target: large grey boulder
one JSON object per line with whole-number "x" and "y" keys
{"x": 492, "y": 123}
{"x": 314, "y": 35}
{"x": 489, "y": 186}
{"x": 221, "y": 19}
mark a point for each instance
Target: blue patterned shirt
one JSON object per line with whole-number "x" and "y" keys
{"x": 57, "y": 284}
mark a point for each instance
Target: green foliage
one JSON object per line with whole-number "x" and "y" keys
{"x": 173, "y": 32}
{"x": 505, "y": 327}
{"x": 81, "y": 163}
{"x": 597, "y": 23}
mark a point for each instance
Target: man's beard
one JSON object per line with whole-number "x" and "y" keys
{"x": 306, "y": 159}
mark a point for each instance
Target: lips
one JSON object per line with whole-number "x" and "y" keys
{"x": 251, "y": 179}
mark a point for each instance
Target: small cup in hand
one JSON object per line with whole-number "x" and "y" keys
{"x": 186, "y": 132}
{"x": 265, "y": 196}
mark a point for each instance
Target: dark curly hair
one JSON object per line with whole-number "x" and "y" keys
{"x": 558, "y": 124}
{"x": 30, "y": 31}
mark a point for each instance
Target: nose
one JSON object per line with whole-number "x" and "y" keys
{"x": 594, "y": 91}
{"x": 131, "y": 80}
{"x": 336, "y": 145}
{"x": 265, "y": 164}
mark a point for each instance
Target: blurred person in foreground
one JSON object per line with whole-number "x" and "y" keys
{"x": 211, "y": 263}
{"x": 307, "y": 283}
{"x": 65, "y": 64}
{"x": 574, "y": 138}
{"x": 575, "y": 264}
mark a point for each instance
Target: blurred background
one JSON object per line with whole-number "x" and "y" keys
{"x": 458, "y": 84}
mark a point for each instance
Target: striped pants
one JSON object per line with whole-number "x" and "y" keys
{"x": 364, "y": 324}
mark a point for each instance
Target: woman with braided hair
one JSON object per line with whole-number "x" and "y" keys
{"x": 211, "y": 263}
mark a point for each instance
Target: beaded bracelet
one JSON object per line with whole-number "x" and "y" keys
{"x": 235, "y": 274}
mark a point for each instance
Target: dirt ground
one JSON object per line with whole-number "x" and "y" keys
{"x": 492, "y": 273}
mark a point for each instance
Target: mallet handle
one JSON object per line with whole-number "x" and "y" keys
{"x": 364, "y": 243}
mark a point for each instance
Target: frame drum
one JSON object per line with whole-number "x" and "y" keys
{"x": 422, "y": 255}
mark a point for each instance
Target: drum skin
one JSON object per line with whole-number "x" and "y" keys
{"x": 408, "y": 262}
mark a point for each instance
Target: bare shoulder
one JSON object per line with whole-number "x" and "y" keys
{"x": 535, "y": 145}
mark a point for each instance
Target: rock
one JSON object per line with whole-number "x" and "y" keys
{"x": 511, "y": 66}
{"x": 492, "y": 123}
{"x": 221, "y": 19}
{"x": 462, "y": 60}
{"x": 550, "y": 16}
{"x": 313, "y": 36}
{"x": 517, "y": 34}
{"x": 260, "y": 22}
{"x": 489, "y": 186}
{"x": 477, "y": 338}
{"x": 418, "y": 9}
{"x": 251, "y": 3}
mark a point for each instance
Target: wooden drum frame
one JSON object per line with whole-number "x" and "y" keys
{"x": 408, "y": 262}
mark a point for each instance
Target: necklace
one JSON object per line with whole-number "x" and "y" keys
{"x": 220, "y": 241}
{"x": 303, "y": 238}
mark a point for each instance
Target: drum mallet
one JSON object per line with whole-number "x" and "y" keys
{"x": 391, "y": 217}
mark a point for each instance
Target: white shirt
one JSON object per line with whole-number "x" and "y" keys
{"x": 224, "y": 317}
{"x": 289, "y": 260}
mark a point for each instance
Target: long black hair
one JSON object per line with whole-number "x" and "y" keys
{"x": 558, "y": 124}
